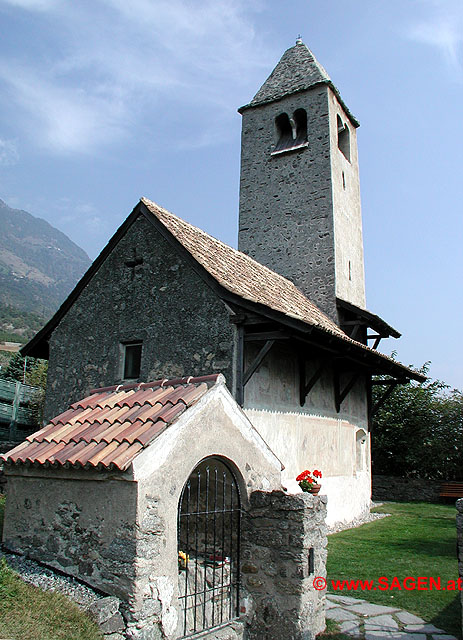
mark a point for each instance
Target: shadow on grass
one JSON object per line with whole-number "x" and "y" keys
{"x": 449, "y": 619}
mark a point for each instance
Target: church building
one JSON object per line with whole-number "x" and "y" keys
{"x": 283, "y": 318}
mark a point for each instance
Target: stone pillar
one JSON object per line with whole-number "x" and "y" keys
{"x": 284, "y": 549}
{"x": 459, "y": 506}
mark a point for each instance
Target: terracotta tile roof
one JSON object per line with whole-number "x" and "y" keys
{"x": 111, "y": 426}
{"x": 242, "y": 275}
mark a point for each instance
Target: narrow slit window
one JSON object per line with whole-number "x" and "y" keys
{"x": 343, "y": 138}
{"x": 132, "y": 360}
{"x": 343, "y": 181}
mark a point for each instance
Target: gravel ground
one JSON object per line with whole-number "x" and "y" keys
{"x": 368, "y": 517}
{"x": 48, "y": 580}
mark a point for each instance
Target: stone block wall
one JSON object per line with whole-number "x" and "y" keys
{"x": 160, "y": 301}
{"x": 284, "y": 549}
{"x": 407, "y": 489}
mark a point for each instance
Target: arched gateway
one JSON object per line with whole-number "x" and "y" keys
{"x": 209, "y": 532}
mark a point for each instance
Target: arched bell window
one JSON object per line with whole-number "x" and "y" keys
{"x": 300, "y": 119}
{"x": 343, "y": 138}
{"x": 291, "y": 132}
{"x": 209, "y": 532}
{"x": 284, "y": 132}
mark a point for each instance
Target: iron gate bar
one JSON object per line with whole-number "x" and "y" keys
{"x": 224, "y": 475}
{"x": 206, "y": 531}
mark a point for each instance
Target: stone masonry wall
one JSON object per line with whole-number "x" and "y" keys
{"x": 278, "y": 533}
{"x": 286, "y": 219}
{"x": 408, "y": 489}
{"x": 75, "y": 525}
{"x": 161, "y": 302}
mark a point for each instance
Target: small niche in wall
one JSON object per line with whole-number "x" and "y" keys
{"x": 360, "y": 450}
{"x": 343, "y": 138}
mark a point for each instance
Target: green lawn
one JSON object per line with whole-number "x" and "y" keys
{"x": 31, "y": 614}
{"x": 418, "y": 539}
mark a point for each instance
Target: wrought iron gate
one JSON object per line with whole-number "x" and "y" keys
{"x": 209, "y": 529}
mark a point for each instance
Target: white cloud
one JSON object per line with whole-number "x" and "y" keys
{"x": 116, "y": 62}
{"x": 32, "y": 5}
{"x": 8, "y": 153}
{"x": 442, "y": 27}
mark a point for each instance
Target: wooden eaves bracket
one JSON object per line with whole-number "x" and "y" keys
{"x": 257, "y": 361}
{"x": 340, "y": 396}
{"x": 391, "y": 384}
{"x": 377, "y": 339}
{"x": 242, "y": 376}
{"x": 306, "y": 387}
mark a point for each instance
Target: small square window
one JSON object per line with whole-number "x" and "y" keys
{"x": 132, "y": 360}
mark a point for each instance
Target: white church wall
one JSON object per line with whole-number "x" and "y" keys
{"x": 304, "y": 441}
{"x": 313, "y": 436}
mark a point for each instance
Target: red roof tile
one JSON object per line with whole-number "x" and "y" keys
{"x": 107, "y": 429}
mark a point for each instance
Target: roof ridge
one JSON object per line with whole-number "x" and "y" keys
{"x": 164, "y": 382}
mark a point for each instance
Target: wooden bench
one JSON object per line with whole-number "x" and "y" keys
{"x": 451, "y": 490}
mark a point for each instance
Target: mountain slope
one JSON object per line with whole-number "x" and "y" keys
{"x": 39, "y": 265}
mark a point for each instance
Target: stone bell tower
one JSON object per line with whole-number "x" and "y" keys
{"x": 300, "y": 209}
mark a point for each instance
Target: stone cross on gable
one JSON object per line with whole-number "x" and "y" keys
{"x": 133, "y": 262}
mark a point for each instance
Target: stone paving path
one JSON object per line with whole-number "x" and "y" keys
{"x": 361, "y": 619}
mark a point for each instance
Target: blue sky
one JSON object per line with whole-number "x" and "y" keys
{"x": 103, "y": 101}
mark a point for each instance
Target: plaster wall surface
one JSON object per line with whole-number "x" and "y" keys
{"x": 161, "y": 302}
{"x": 314, "y": 435}
{"x": 275, "y": 387}
{"x": 286, "y": 200}
{"x": 304, "y": 441}
{"x": 350, "y": 275}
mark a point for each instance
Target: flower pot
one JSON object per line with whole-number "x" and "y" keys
{"x": 315, "y": 488}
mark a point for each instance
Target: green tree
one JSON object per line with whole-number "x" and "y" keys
{"x": 418, "y": 431}
{"x": 15, "y": 368}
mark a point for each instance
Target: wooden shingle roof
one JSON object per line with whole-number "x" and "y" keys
{"x": 241, "y": 274}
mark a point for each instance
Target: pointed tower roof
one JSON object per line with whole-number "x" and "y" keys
{"x": 298, "y": 70}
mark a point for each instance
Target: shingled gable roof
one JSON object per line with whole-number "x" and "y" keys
{"x": 106, "y": 430}
{"x": 297, "y": 70}
{"x": 232, "y": 271}
{"x": 242, "y": 275}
